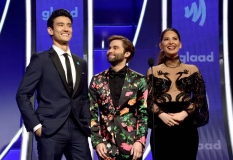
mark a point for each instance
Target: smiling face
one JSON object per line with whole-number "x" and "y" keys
{"x": 61, "y": 32}
{"x": 116, "y": 53}
{"x": 170, "y": 44}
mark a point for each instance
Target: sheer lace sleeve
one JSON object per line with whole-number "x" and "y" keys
{"x": 199, "y": 105}
{"x": 151, "y": 104}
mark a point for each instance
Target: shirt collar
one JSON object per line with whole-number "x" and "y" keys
{"x": 60, "y": 52}
{"x": 120, "y": 73}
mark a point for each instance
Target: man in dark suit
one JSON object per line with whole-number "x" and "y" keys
{"x": 62, "y": 119}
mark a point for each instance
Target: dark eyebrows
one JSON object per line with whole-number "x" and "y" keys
{"x": 176, "y": 37}
{"x": 60, "y": 23}
{"x": 115, "y": 46}
{"x": 64, "y": 23}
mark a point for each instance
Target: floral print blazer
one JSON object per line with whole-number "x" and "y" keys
{"x": 119, "y": 127}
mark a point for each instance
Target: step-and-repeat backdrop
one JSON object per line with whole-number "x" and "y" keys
{"x": 198, "y": 23}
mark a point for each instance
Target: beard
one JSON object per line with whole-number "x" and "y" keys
{"x": 116, "y": 60}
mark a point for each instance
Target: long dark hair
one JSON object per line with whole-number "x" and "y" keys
{"x": 162, "y": 58}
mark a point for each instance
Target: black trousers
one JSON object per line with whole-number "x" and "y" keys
{"x": 68, "y": 140}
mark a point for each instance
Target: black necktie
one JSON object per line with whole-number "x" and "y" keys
{"x": 69, "y": 74}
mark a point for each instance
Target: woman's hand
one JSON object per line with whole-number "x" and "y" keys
{"x": 168, "y": 119}
{"x": 179, "y": 117}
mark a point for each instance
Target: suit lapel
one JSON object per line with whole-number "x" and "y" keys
{"x": 125, "y": 87}
{"x": 103, "y": 80}
{"x": 106, "y": 91}
{"x": 58, "y": 65}
{"x": 78, "y": 73}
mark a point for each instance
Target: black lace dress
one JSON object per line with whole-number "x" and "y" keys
{"x": 173, "y": 90}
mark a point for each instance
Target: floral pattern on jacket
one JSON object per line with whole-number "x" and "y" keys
{"x": 119, "y": 127}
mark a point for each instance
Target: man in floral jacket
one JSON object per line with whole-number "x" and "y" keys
{"x": 118, "y": 98}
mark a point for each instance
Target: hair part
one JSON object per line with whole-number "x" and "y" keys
{"x": 58, "y": 13}
{"x": 127, "y": 44}
{"x": 162, "y": 58}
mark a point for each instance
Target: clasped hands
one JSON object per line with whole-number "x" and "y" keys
{"x": 172, "y": 119}
{"x": 136, "y": 151}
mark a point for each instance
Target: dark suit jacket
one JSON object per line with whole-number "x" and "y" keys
{"x": 46, "y": 76}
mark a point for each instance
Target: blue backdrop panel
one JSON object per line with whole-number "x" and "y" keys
{"x": 148, "y": 38}
{"x": 197, "y": 22}
{"x": 12, "y": 67}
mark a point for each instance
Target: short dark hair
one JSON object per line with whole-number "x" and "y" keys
{"x": 58, "y": 13}
{"x": 127, "y": 44}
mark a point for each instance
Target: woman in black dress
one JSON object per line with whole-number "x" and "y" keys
{"x": 177, "y": 101}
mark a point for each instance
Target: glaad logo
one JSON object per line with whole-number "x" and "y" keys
{"x": 197, "y": 58}
{"x": 46, "y": 14}
{"x": 210, "y": 146}
{"x": 196, "y": 13}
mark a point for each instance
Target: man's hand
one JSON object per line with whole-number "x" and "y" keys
{"x": 38, "y": 132}
{"x": 101, "y": 150}
{"x": 136, "y": 150}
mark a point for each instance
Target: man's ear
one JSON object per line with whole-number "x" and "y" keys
{"x": 50, "y": 31}
{"x": 127, "y": 54}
